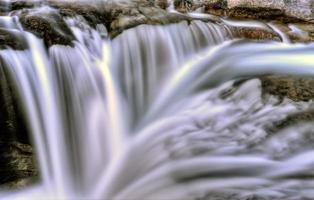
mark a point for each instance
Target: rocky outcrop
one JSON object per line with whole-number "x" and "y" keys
{"x": 118, "y": 16}
{"x": 283, "y": 10}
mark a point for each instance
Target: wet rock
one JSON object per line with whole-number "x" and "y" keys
{"x": 298, "y": 89}
{"x": 253, "y": 33}
{"x": 4, "y": 7}
{"x": 163, "y": 4}
{"x": 12, "y": 39}
{"x": 20, "y": 4}
{"x": 183, "y": 6}
{"x": 94, "y": 14}
{"x": 297, "y": 32}
{"x": 16, "y": 154}
{"x": 17, "y": 165}
{"x": 46, "y": 24}
{"x": 282, "y": 10}
{"x": 294, "y": 88}
{"x": 215, "y": 7}
{"x": 134, "y": 16}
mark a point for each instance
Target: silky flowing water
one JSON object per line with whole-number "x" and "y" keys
{"x": 161, "y": 112}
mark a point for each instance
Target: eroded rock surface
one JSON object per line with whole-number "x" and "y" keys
{"x": 284, "y": 10}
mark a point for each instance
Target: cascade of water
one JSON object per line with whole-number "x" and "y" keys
{"x": 148, "y": 57}
{"x": 156, "y": 114}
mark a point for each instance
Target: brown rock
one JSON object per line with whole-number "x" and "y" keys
{"x": 253, "y": 33}
{"x": 295, "y": 88}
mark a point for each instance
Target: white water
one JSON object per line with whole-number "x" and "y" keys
{"x": 156, "y": 114}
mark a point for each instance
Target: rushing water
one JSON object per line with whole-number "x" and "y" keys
{"x": 160, "y": 112}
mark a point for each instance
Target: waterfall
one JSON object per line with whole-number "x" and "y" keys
{"x": 161, "y": 112}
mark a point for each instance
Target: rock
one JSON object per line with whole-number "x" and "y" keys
{"x": 183, "y": 6}
{"x": 255, "y": 9}
{"x": 93, "y": 14}
{"x": 17, "y": 165}
{"x": 47, "y": 24}
{"x": 253, "y": 33}
{"x": 11, "y": 39}
{"x": 265, "y": 4}
{"x": 294, "y": 88}
{"x": 163, "y": 4}
{"x": 4, "y": 7}
{"x": 12, "y": 121}
{"x": 281, "y": 10}
{"x": 118, "y": 16}
{"x": 297, "y": 32}
{"x": 20, "y": 4}
{"x": 298, "y": 89}
{"x": 302, "y": 9}
{"x": 16, "y": 154}
{"x": 215, "y": 7}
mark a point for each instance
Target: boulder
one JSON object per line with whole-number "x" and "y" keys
{"x": 46, "y": 23}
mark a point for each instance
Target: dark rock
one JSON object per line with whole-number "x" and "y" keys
{"x": 46, "y": 24}
{"x": 4, "y": 7}
{"x": 12, "y": 39}
{"x": 183, "y": 6}
{"x": 93, "y": 14}
{"x": 17, "y": 165}
{"x": 215, "y": 7}
{"x": 20, "y": 4}
{"x": 16, "y": 155}
{"x": 163, "y": 4}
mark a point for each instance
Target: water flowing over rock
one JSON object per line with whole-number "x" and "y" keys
{"x": 133, "y": 100}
